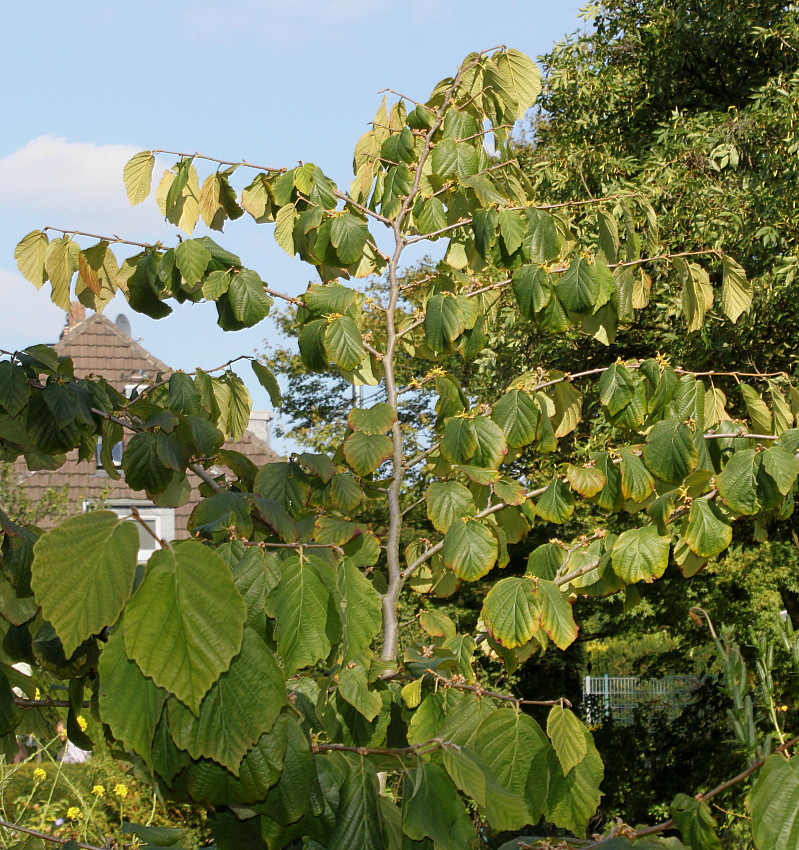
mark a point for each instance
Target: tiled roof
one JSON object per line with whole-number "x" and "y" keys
{"x": 99, "y": 347}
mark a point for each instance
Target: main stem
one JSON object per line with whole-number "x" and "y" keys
{"x": 395, "y": 574}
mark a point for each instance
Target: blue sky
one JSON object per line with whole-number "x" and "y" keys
{"x": 89, "y": 84}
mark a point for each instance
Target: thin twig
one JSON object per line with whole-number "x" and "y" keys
{"x": 45, "y": 837}
{"x": 137, "y": 516}
{"x": 23, "y": 702}
{"x": 115, "y": 239}
{"x": 476, "y": 689}
{"x": 242, "y": 162}
{"x": 414, "y": 750}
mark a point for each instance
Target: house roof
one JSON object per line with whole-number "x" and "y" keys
{"x": 97, "y": 347}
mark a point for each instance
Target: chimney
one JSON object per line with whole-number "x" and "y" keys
{"x": 260, "y": 424}
{"x": 76, "y": 315}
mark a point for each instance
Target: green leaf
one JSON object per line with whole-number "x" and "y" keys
{"x": 517, "y": 414}
{"x": 61, "y": 262}
{"x": 736, "y": 291}
{"x": 568, "y": 736}
{"x": 366, "y": 452}
{"x": 617, "y": 388}
{"x": 192, "y": 259}
{"x": 268, "y": 381}
{"x": 156, "y": 836}
{"x": 491, "y": 447}
{"x": 636, "y": 482}
{"x": 782, "y": 466}
{"x": 573, "y": 799}
{"x": 512, "y": 229}
{"x": 444, "y": 321}
{"x": 138, "y": 176}
{"x": 459, "y": 441}
{"x": 354, "y": 688}
{"x": 373, "y": 420}
{"x": 454, "y": 158}
{"x": 241, "y": 705}
{"x": 774, "y": 804}
{"x": 568, "y": 408}
{"x": 511, "y": 612}
{"x": 14, "y": 389}
{"x": 30, "y": 255}
{"x": 185, "y": 622}
{"x": 585, "y": 480}
{"x": 669, "y": 452}
{"x": 697, "y": 293}
{"x": 759, "y": 413}
{"x": 142, "y": 464}
{"x": 542, "y": 242}
{"x": 640, "y": 554}
{"x": 343, "y": 342}
{"x": 508, "y": 742}
{"x": 358, "y": 822}
{"x": 695, "y": 822}
{"x": 349, "y": 234}
{"x": 578, "y": 288}
{"x": 432, "y": 809}
{"x": 737, "y": 482}
{"x": 132, "y": 720}
{"x": 307, "y": 616}
{"x": 532, "y": 289}
{"x": 234, "y": 403}
{"x": 248, "y": 299}
{"x": 555, "y": 504}
{"x": 470, "y": 550}
{"x": 430, "y": 216}
{"x": 706, "y": 532}
{"x": 286, "y": 483}
{"x": 516, "y": 80}
{"x": 82, "y": 574}
{"x": 557, "y": 618}
{"x": 285, "y": 220}
{"x": 360, "y": 608}
{"x": 446, "y": 502}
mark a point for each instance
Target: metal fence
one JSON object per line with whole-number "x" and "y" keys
{"x": 620, "y": 697}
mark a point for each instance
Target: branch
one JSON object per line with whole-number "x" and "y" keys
{"x": 198, "y": 470}
{"x": 147, "y": 245}
{"x": 708, "y": 795}
{"x": 45, "y": 837}
{"x": 23, "y": 702}
{"x": 137, "y": 516}
{"x": 414, "y": 750}
{"x": 476, "y": 689}
{"x": 242, "y": 162}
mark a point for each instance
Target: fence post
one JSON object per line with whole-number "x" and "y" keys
{"x": 606, "y": 684}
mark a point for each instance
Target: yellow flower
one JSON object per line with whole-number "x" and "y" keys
{"x": 39, "y": 774}
{"x": 74, "y": 813}
{"x": 121, "y": 790}
{"x": 98, "y": 790}
{"x": 37, "y": 694}
{"x": 82, "y": 723}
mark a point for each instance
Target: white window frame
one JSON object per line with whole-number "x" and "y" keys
{"x": 163, "y": 519}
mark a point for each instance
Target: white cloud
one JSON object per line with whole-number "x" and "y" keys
{"x": 73, "y": 184}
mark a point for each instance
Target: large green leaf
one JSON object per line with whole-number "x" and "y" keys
{"x": 376, "y": 419}
{"x": 14, "y": 389}
{"x": 737, "y": 482}
{"x": 268, "y": 381}
{"x": 138, "y": 176}
{"x": 669, "y": 452}
{"x": 568, "y": 736}
{"x": 444, "y": 321}
{"x": 248, "y": 299}
{"x": 542, "y": 242}
{"x": 640, "y": 554}
{"x": 82, "y": 574}
{"x": 509, "y": 741}
{"x": 459, "y": 442}
{"x": 348, "y": 235}
{"x": 432, "y": 809}
{"x": 532, "y": 289}
{"x": 736, "y": 290}
{"x": 491, "y": 446}
{"x": 578, "y": 289}
{"x": 305, "y": 615}
{"x": 707, "y": 533}
{"x": 636, "y": 482}
{"x": 617, "y": 387}
{"x": 132, "y": 718}
{"x": 366, "y": 452}
{"x": 695, "y": 822}
{"x": 773, "y": 803}
{"x": 343, "y": 342}
{"x": 192, "y": 259}
{"x": 286, "y": 483}
{"x": 557, "y": 618}
{"x": 360, "y": 608}
{"x": 516, "y": 80}
{"x": 470, "y": 549}
{"x": 30, "y": 255}
{"x": 555, "y": 503}
{"x": 517, "y": 414}
{"x": 234, "y": 403}
{"x": 446, "y": 502}
{"x": 511, "y": 612}
{"x": 185, "y": 622}
{"x": 572, "y": 799}
{"x": 358, "y": 820}
{"x": 241, "y": 705}
{"x": 354, "y": 688}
